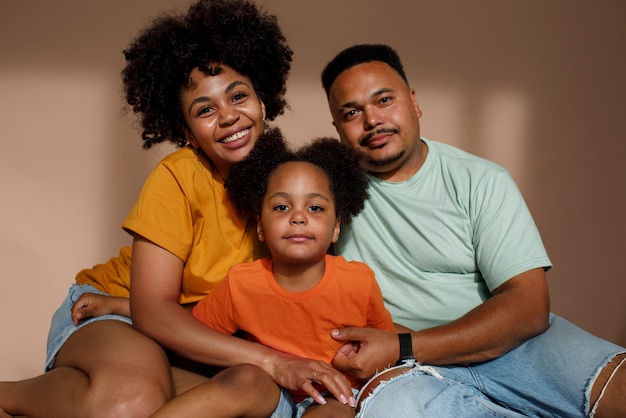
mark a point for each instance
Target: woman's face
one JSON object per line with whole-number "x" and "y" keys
{"x": 224, "y": 116}
{"x": 298, "y": 220}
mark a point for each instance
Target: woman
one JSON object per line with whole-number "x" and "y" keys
{"x": 205, "y": 80}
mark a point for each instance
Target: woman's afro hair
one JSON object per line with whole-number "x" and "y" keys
{"x": 235, "y": 33}
{"x": 247, "y": 182}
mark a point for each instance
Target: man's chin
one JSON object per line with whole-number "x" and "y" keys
{"x": 385, "y": 162}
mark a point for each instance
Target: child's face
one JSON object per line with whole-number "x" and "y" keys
{"x": 298, "y": 220}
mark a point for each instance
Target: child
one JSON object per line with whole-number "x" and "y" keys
{"x": 292, "y": 300}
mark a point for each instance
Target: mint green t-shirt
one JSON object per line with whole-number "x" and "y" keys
{"x": 442, "y": 240}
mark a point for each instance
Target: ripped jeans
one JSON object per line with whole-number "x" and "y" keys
{"x": 550, "y": 375}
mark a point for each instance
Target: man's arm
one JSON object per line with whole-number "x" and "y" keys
{"x": 517, "y": 311}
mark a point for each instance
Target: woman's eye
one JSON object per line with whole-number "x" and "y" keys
{"x": 204, "y": 110}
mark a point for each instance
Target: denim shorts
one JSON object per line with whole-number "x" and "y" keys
{"x": 550, "y": 375}
{"x": 62, "y": 327}
{"x": 288, "y": 408}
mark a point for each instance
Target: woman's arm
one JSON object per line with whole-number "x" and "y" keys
{"x": 156, "y": 276}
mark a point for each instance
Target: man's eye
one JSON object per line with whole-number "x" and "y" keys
{"x": 350, "y": 115}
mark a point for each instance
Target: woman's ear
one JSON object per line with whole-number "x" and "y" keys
{"x": 259, "y": 229}
{"x": 191, "y": 139}
{"x": 263, "y": 109}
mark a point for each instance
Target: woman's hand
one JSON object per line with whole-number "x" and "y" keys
{"x": 307, "y": 375}
{"x": 91, "y": 304}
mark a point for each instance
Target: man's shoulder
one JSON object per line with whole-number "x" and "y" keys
{"x": 456, "y": 159}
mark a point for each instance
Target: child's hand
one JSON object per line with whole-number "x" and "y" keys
{"x": 90, "y": 304}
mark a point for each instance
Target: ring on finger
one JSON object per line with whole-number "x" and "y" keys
{"x": 314, "y": 375}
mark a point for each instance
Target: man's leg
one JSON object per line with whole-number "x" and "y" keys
{"x": 608, "y": 395}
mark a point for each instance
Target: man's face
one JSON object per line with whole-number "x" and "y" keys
{"x": 375, "y": 112}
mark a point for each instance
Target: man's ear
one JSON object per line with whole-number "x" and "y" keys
{"x": 416, "y": 106}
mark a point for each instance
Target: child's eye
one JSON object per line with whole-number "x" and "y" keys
{"x": 237, "y": 97}
{"x": 315, "y": 208}
{"x": 281, "y": 208}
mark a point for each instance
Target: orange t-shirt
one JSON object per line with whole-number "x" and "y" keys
{"x": 299, "y": 323}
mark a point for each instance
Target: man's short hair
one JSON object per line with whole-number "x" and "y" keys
{"x": 359, "y": 54}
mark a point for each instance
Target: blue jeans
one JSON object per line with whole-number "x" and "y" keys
{"x": 62, "y": 327}
{"x": 288, "y": 408}
{"x": 550, "y": 375}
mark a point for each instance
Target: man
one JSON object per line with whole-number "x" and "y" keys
{"x": 461, "y": 263}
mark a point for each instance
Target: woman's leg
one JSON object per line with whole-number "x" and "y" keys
{"x": 104, "y": 369}
{"x": 240, "y": 391}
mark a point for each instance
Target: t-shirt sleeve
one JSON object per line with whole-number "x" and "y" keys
{"x": 216, "y": 309}
{"x": 506, "y": 239}
{"x": 162, "y": 213}
{"x": 377, "y": 314}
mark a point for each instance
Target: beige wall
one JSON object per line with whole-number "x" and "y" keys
{"x": 537, "y": 86}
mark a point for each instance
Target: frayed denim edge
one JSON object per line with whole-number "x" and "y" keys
{"x": 417, "y": 367}
{"x": 593, "y": 378}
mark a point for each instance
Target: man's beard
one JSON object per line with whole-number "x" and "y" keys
{"x": 387, "y": 161}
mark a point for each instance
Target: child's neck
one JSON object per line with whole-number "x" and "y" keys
{"x": 298, "y": 277}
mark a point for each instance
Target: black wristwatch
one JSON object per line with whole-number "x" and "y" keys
{"x": 406, "y": 348}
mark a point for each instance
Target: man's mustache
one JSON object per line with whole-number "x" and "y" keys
{"x": 367, "y": 138}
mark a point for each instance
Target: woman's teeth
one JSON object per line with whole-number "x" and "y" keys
{"x": 235, "y": 136}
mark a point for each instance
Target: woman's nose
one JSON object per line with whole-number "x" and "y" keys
{"x": 228, "y": 116}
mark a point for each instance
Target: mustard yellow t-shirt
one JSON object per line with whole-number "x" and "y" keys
{"x": 183, "y": 208}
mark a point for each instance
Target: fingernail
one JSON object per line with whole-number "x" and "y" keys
{"x": 342, "y": 399}
{"x": 334, "y": 332}
{"x": 352, "y": 401}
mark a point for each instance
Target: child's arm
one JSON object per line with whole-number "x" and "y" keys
{"x": 90, "y": 304}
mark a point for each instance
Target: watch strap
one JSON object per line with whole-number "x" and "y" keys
{"x": 406, "y": 347}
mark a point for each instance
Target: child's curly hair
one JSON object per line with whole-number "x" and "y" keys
{"x": 247, "y": 182}
{"x": 234, "y": 33}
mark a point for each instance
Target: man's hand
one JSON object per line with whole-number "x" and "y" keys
{"x": 366, "y": 351}
{"x": 91, "y": 304}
